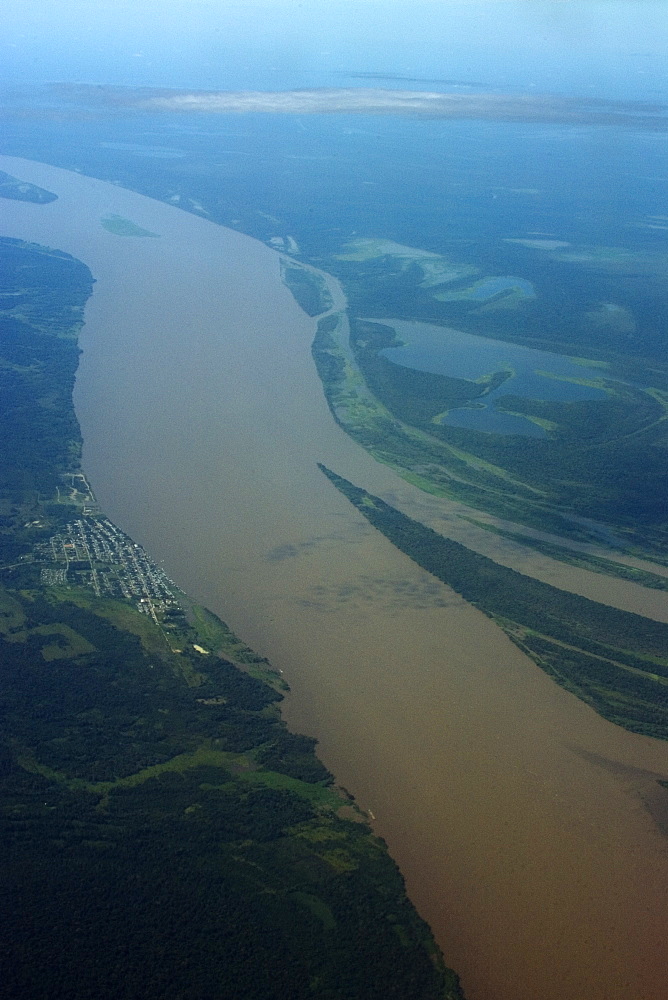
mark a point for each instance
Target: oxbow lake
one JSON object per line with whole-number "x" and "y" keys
{"x": 535, "y": 374}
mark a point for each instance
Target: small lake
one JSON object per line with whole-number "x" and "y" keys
{"x": 488, "y": 288}
{"x": 536, "y": 374}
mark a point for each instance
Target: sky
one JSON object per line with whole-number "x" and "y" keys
{"x": 606, "y": 48}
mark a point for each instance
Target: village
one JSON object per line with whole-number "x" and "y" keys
{"x": 92, "y": 552}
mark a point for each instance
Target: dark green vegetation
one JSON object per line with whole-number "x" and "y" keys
{"x": 308, "y": 288}
{"x": 615, "y": 661}
{"x": 16, "y": 190}
{"x": 39, "y": 355}
{"x": 163, "y": 834}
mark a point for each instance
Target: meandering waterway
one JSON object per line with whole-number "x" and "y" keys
{"x": 527, "y": 827}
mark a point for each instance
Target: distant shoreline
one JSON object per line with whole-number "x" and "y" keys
{"x": 548, "y": 108}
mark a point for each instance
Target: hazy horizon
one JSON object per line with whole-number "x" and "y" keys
{"x": 602, "y": 48}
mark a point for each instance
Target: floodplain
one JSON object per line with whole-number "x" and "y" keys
{"x": 517, "y": 815}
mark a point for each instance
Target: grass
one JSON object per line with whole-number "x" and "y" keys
{"x": 75, "y": 644}
{"x": 267, "y": 674}
{"x": 422, "y": 482}
{"x": 659, "y": 396}
{"x": 589, "y": 363}
{"x": 495, "y": 470}
{"x": 120, "y": 614}
{"x": 547, "y": 425}
{"x": 206, "y": 755}
{"x": 322, "y": 796}
{"x": 359, "y": 412}
{"x": 424, "y": 458}
{"x": 591, "y": 383}
{"x": 509, "y": 300}
{"x": 211, "y": 632}
{"x": 11, "y": 613}
{"x": 17, "y": 190}
{"x": 152, "y": 637}
{"x": 214, "y": 634}
{"x": 340, "y": 860}
{"x": 515, "y": 292}
{"x": 317, "y": 907}
{"x": 368, "y": 248}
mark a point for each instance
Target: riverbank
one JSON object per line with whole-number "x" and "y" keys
{"x": 133, "y": 746}
{"x": 516, "y": 815}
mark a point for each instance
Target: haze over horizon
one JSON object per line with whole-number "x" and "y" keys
{"x": 533, "y": 107}
{"x": 600, "y": 48}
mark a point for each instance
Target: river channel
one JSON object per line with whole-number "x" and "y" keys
{"x": 529, "y": 830}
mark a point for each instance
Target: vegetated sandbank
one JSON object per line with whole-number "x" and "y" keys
{"x": 516, "y": 814}
{"x": 615, "y": 661}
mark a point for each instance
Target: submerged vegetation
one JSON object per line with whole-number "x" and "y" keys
{"x": 119, "y": 226}
{"x": 163, "y": 834}
{"x": 615, "y": 661}
{"x": 17, "y": 190}
{"x": 584, "y": 560}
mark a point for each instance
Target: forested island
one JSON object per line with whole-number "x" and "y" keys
{"x": 164, "y": 834}
{"x": 16, "y": 190}
{"x": 613, "y": 660}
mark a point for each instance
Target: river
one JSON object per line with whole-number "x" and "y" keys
{"x": 528, "y": 829}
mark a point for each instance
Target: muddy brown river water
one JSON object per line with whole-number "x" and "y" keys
{"x": 529, "y": 830}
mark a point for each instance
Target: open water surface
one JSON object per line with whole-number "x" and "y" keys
{"x": 534, "y": 374}
{"x": 527, "y": 827}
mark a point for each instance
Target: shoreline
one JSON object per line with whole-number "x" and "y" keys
{"x": 459, "y": 743}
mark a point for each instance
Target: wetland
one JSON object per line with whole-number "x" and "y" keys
{"x": 532, "y": 374}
